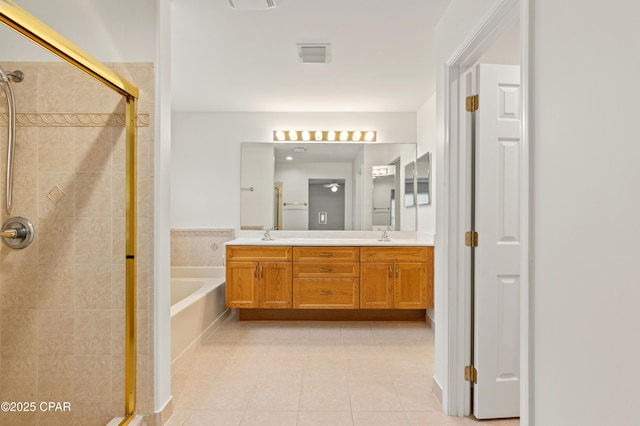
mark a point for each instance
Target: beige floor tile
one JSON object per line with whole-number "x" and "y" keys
{"x": 380, "y": 419}
{"x": 230, "y": 395}
{"x": 325, "y": 370}
{"x": 241, "y": 368}
{"x": 362, "y": 350}
{"x": 269, "y": 418}
{"x": 288, "y": 350}
{"x": 275, "y": 396}
{"x": 374, "y": 396}
{"x": 324, "y": 418}
{"x": 205, "y": 418}
{"x": 312, "y": 373}
{"x": 282, "y": 369}
{"x": 416, "y": 395}
{"x": 368, "y": 370}
{"x": 433, "y": 418}
{"x": 472, "y": 421}
{"x": 325, "y": 349}
{"x": 325, "y": 396}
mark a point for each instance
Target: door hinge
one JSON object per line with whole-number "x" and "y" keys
{"x": 471, "y": 239}
{"x": 472, "y": 103}
{"x": 471, "y": 374}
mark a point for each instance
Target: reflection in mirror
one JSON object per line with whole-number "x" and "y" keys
{"x": 423, "y": 179}
{"x": 278, "y": 182}
{"x": 384, "y": 197}
{"x": 409, "y": 186}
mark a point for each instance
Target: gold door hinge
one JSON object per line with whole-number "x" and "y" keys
{"x": 471, "y": 239}
{"x": 472, "y": 103}
{"x": 471, "y": 374}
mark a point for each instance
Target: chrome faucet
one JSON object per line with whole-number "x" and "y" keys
{"x": 267, "y": 235}
{"x": 384, "y": 236}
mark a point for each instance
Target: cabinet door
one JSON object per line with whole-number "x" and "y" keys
{"x": 276, "y": 285}
{"x": 376, "y": 286}
{"x": 242, "y": 285}
{"x": 410, "y": 286}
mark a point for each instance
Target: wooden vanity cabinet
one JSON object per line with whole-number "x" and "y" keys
{"x": 259, "y": 277}
{"x": 326, "y": 277}
{"x": 396, "y": 278}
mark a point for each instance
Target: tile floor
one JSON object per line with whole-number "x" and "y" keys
{"x": 312, "y": 373}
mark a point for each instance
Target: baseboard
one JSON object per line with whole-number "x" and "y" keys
{"x": 436, "y": 389}
{"x": 161, "y": 417}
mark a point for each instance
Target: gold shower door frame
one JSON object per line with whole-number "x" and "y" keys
{"x": 21, "y": 21}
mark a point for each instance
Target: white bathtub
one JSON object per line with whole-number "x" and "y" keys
{"x": 197, "y": 306}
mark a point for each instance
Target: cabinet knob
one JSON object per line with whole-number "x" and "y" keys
{"x": 326, "y": 269}
{"x": 326, "y": 293}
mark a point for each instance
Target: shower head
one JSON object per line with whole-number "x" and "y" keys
{"x": 16, "y": 76}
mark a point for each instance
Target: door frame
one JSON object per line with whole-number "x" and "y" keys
{"x": 456, "y": 212}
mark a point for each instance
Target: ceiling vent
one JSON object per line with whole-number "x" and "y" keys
{"x": 314, "y": 53}
{"x": 252, "y": 4}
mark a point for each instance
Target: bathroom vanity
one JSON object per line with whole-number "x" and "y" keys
{"x": 329, "y": 278}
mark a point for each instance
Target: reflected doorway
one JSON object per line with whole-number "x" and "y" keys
{"x": 326, "y": 204}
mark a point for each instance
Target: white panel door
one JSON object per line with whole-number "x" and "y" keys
{"x": 497, "y": 264}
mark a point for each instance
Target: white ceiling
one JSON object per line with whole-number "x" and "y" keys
{"x": 382, "y": 56}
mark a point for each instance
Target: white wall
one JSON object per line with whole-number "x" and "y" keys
{"x": 205, "y": 164}
{"x": 586, "y": 259}
{"x": 110, "y": 31}
{"x": 426, "y": 121}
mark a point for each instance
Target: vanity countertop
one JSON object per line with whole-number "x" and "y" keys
{"x": 331, "y": 242}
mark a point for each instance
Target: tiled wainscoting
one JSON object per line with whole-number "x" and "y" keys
{"x": 199, "y": 247}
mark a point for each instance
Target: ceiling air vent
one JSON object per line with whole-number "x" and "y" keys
{"x": 314, "y": 53}
{"x": 252, "y": 4}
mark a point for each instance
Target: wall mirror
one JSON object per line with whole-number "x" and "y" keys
{"x": 320, "y": 185}
{"x": 423, "y": 179}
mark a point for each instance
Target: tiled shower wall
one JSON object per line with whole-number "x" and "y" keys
{"x": 199, "y": 247}
{"x": 62, "y": 298}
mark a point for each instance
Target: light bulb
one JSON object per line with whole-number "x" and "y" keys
{"x": 334, "y": 189}
{"x": 344, "y": 135}
{"x": 368, "y": 136}
{"x": 318, "y": 135}
{"x": 331, "y": 135}
{"x": 357, "y": 135}
{"x": 280, "y": 135}
{"x": 305, "y": 135}
{"x": 293, "y": 136}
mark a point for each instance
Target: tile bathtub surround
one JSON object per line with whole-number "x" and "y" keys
{"x": 312, "y": 373}
{"x": 199, "y": 247}
{"x": 62, "y": 298}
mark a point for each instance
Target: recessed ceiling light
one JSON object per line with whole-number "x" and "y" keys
{"x": 289, "y": 158}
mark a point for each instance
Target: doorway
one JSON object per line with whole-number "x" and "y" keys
{"x": 455, "y": 211}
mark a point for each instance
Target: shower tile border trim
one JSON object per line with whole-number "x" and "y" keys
{"x": 73, "y": 120}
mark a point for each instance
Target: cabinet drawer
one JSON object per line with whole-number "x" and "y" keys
{"x": 257, "y": 253}
{"x": 330, "y": 270}
{"x": 326, "y": 293}
{"x": 386, "y": 254}
{"x": 326, "y": 254}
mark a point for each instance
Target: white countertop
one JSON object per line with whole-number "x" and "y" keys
{"x": 355, "y": 239}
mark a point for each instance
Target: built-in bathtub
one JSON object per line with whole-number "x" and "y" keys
{"x": 197, "y": 307}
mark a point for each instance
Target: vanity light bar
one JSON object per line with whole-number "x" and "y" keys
{"x": 325, "y": 135}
